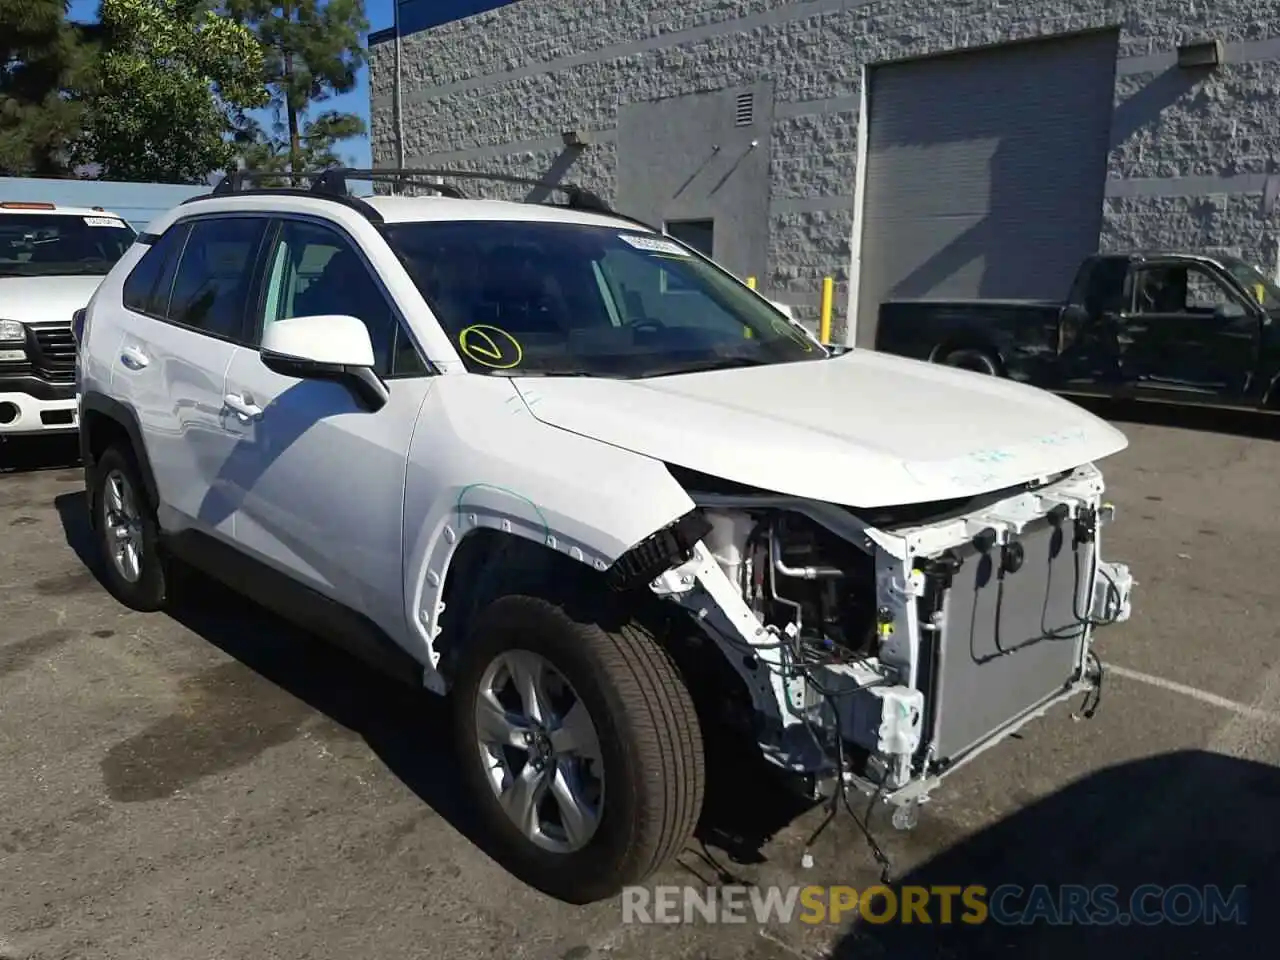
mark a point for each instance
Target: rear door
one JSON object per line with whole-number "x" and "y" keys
{"x": 318, "y": 480}
{"x": 188, "y": 299}
{"x": 1188, "y": 335}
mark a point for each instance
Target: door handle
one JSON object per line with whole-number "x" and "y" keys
{"x": 242, "y": 408}
{"x": 134, "y": 358}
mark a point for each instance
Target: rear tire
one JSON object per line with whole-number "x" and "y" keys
{"x": 649, "y": 747}
{"x": 127, "y": 533}
{"x": 979, "y": 361}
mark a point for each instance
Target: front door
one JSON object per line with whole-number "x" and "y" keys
{"x": 1188, "y": 335}
{"x": 319, "y": 481}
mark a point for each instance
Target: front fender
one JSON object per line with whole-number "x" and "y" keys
{"x": 479, "y": 459}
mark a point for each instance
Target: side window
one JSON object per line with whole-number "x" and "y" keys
{"x": 314, "y": 270}
{"x": 146, "y": 289}
{"x": 215, "y": 275}
{"x": 1180, "y": 289}
{"x": 1206, "y": 293}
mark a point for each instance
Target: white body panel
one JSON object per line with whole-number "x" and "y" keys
{"x": 589, "y": 500}
{"x": 175, "y": 381}
{"x": 316, "y": 484}
{"x": 863, "y": 429}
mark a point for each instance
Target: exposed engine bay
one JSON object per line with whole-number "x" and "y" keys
{"x": 885, "y": 651}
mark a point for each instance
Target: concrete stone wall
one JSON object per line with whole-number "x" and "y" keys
{"x": 1195, "y": 160}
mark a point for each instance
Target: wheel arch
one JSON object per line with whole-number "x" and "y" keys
{"x": 105, "y": 421}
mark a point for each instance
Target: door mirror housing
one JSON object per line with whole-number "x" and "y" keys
{"x": 327, "y": 347}
{"x": 1229, "y": 311}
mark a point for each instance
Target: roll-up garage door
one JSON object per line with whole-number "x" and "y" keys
{"x": 985, "y": 171}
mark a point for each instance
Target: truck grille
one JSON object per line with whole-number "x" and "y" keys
{"x": 53, "y": 351}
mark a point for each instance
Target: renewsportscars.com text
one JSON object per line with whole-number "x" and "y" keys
{"x": 1008, "y": 904}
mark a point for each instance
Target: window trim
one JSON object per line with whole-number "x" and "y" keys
{"x": 254, "y": 318}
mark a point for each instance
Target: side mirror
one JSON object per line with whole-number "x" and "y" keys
{"x": 783, "y": 309}
{"x": 1229, "y": 311}
{"x": 327, "y": 347}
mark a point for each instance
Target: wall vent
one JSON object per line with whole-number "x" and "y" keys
{"x": 745, "y": 110}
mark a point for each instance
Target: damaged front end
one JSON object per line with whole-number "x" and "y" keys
{"x": 888, "y": 648}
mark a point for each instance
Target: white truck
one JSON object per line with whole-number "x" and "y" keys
{"x": 52, "y": 258}
{"x": 564, "y": 470}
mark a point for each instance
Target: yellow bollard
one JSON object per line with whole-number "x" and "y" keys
{"x": 751, "y": 282}
{"x": 824, "y": 316}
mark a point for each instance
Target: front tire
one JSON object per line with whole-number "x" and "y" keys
{"x": 127, "y": 533}
{"x": 580, "y": 744}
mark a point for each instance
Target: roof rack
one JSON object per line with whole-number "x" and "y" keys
{"x": 335, "y": 180}
{"x": 331, "y": 184}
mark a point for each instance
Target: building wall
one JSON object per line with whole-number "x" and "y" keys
{"x": 1194, "y": 160}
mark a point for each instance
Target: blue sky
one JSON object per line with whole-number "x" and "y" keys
{"x": 380, "y": 14}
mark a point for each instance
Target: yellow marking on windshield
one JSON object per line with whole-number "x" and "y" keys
{"x": 500, "y": 353}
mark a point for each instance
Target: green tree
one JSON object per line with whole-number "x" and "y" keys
{"x": 267, "y": 147}
{"x": 173, "y": 77}
{"x": 42, "y": 56}
{"x": 312, "y": 51}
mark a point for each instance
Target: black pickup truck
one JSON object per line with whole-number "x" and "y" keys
{"x": 1174, "y": 327}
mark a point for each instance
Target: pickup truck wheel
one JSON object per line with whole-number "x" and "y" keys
{"x": 979, "y": 361}
{"x": 580, "y": 744}
{"x": 133, "y": 569}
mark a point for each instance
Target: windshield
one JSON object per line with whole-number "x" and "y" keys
{"x": 565, "y": 299}
{"x": 44, "y": 244}
{"x": 1255, "y": 281}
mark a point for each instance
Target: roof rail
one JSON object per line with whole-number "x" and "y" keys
{"x": 331, "y": 184}
{"x": 577, "y": 197}
{"x": 230, "y": 184}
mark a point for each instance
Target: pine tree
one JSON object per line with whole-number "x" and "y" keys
{"x": 312, "y": 51}
{"x": 42, "y": 56}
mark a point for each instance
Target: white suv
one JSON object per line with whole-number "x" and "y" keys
{"x": 51, "y": 260}
{"x": 559, "y": 467}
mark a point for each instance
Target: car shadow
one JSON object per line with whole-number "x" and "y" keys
{"x": 1176, "y": 830}
{"x": 408, "y": 730}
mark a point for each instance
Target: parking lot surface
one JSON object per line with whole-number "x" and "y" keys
{"x": 216, "y": 785}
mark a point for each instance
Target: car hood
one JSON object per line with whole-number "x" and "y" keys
{"x": 39, "y": 299}
{"x": 863, "y": 429}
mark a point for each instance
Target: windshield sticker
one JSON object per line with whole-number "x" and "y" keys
{"x": 104, "y": 222}
{"x": 654, "y": 245}
{"x": 490, "y": 346}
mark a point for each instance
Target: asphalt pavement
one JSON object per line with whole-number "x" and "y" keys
{"x": 217, "y": 785}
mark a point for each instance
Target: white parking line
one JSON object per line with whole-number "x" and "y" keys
{"x": 1252, "y": 736}
{"x": 1258, "y": 714}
